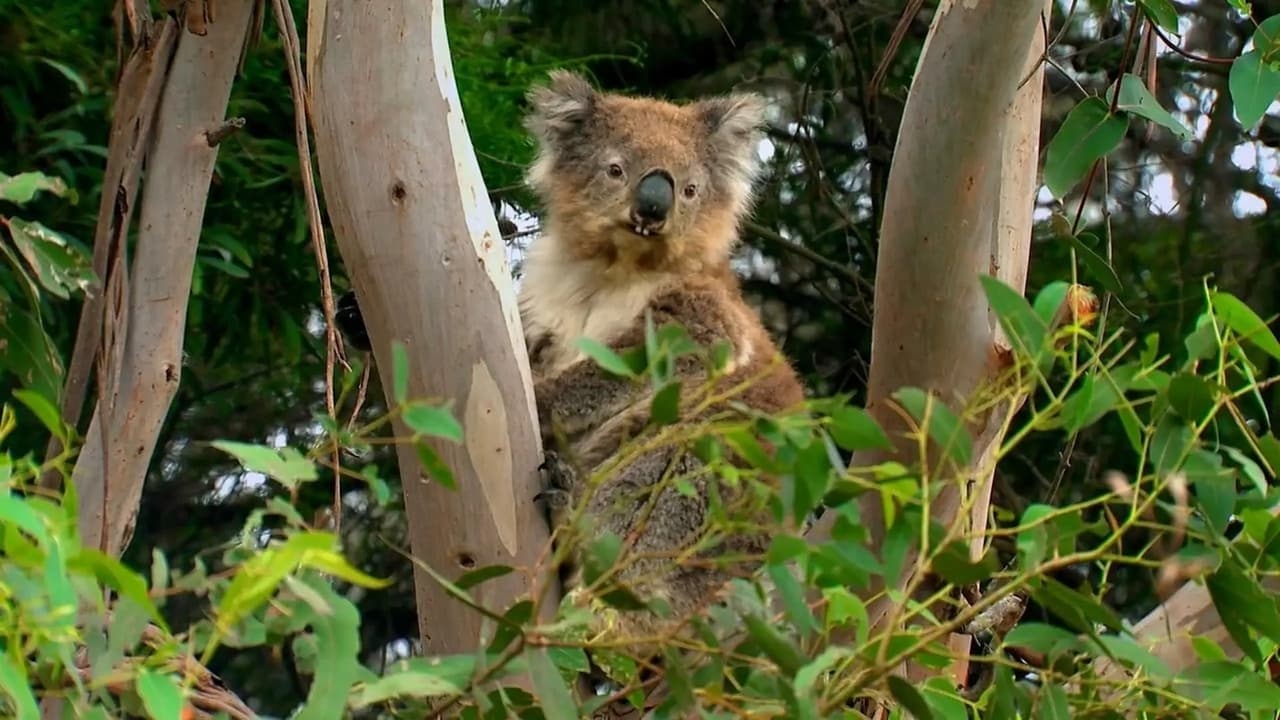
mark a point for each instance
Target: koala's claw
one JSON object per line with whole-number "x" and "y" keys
{"x": 557, "y": 473}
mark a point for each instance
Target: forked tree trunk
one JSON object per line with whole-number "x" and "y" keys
{"x": 421, "y": 245}
{"x": 146, "y": 300}
{"x": 959, "y": 203}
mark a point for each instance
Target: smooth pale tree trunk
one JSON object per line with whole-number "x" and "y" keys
{"x": 958, "y": 205}
{"x": 421, "y": 245}
{"x": 146, "y": 307}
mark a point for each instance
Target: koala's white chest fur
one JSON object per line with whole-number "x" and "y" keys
{"x": 569, "y": 299}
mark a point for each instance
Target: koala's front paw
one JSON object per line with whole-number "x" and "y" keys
{"x": 559, "y": 477}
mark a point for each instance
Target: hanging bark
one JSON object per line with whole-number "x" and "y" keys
{"x": 146, "y": 301}
{"x": 413, "y": 223}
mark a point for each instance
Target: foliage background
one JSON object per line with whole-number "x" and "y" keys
{"x": 1173, "y": 211}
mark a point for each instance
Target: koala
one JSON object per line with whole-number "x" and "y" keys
{"x": 642, "y": 203}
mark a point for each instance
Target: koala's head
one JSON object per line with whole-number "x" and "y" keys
{"x": 640, "y": 180}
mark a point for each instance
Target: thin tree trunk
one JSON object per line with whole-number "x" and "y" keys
{"x": 958, "y": 204}
{"x": 146, "y": 306}
{"x": 421, "y": 245}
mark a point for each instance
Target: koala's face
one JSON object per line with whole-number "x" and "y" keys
{"x": 642, "y": 178}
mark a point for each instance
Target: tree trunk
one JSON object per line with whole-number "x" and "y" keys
{"x": 959, "y": 204}
{"x": 146, "y": 307}
{"x": 421, "y": 245}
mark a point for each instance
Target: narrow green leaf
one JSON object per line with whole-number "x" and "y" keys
{"x": 909, "y": 698}
{"x": 854, "y": 429}
{"x": 1244, "y": 322}
{"x": 433, "y": 420}
{"x": 1089, "y": 132}
{"x": 434, "y": 466}
{"x": 59, "y": 267}
{"x": 1020, "y": 323}
{"x": 44, "y": 411}
{"x": 1136, "y": 99}
{"x": 955, "y": 566}
{"x": 28, "y": 352}
{"x": 337, "y": 662}
{"x": 160, "y": 695}
{"x": 480, "y": 575}
{"x": 1053, "y": 703}
{"x": 13, "y": 680}
{"x": 1098, "y": 267}
{"x": 557, "y": 702}
{"x": 399, "y": 371}
{"x": 941, "y": 424}
{"x": 778, "y": 647}
{"x": 665, "y": 407}
{"x": 605, "y": 357}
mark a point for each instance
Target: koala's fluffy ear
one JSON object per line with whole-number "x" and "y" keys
{"x": 560, "y": 107}
{"x": 735, "y": 125}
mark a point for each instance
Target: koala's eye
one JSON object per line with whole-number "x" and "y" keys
{"x": 690, "y": 190}
{"x": 615, "y": 170}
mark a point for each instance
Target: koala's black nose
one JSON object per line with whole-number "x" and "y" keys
{"x": 654, "y": 197}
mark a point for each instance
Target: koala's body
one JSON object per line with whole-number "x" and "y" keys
{"x": 643, "y": 199}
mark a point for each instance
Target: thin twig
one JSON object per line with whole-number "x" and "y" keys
{"x": 289, "y": 38}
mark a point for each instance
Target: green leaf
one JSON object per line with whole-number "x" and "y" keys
{"x": 1124, "y": 649}
{"x": 1076, "y": 609}
{"x": 160, "y": 695}
{"x": 1098, "y": 267}
{"x": 1254, "y": 84}
{"x": 433, "y": 420}
{"x": 286, "y": 465}
{"x": 775, "y": 645}
{"x": 115, "y": 575}
{"x": 331, "y": 562}
{"x": 665, "y": 407}
{"x": 1190, "y": 397}
{"x": 44, "y": 410}
{"x": 419, "y": 680}
{"x": 336, "y": 627}
{"x": 954, "y": 565}
{"x": 1043, "y": 638}
{"x": 434, "y": 466}
{"x": 939, "y": 422}
{"x": 60, "y": 268}
{"x": 1136, "y": 99}
{"x": 1053, "y": 703}
{"x": 1089, "y": 132}
{"x": 479, "y": 575}
{"x": 909, "y": 698}
{"x": 604, "y": 357}
{"x": 601, "y": 555}
{"x": 1222, "y": 681}
{"x": 1162, "y": 13}
{"x": 1244, "y": 322}
{"x": 854, "y": 429}
{"x": 399, "y": 371}
{"x": 557, "y": 703}
{"x": 13, "y": 680}
{"x": 1239, "y": 598}
{"x": 792, "y": 595}
{"x": 28, "y": 352}
{"x": 20, "y": 189}
{"x": 1020, "y": 323}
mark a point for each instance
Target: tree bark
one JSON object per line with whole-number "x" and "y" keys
{"x": 421, "y": 245}
{"x": 959, "y": 202}
{"x": 146, "y": 308}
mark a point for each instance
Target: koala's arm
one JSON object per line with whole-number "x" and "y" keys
{"x": 584, "y": 394}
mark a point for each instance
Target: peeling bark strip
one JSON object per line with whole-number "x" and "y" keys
{"x": 142, "y": 356}
{"x": 418, "y": 236}
{"x": 137, "y": 97}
